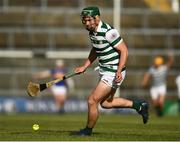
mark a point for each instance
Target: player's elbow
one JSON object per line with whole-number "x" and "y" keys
{"x": 123, "y": 49}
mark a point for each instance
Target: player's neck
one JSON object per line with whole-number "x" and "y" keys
{"x": 97, "y": 23}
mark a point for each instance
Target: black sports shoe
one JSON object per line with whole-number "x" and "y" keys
{"x": 143, "y": 111}
{"x": 84, "y": 132}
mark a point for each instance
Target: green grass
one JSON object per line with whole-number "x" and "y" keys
{"x": 109, "y": 128}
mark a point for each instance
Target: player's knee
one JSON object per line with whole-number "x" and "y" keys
{"x": 91, "y": 101}
{"x": 103, "y": 105}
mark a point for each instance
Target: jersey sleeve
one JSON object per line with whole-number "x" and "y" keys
{"x": 113, "y": 37}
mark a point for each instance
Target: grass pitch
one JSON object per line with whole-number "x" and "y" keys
{"x": 112, "y": 127}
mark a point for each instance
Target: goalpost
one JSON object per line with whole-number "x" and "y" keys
{"x": 117, "y": 25}
{"x": 117, "y": 15}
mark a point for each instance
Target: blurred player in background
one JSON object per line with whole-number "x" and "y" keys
{"x": 158, "y": 72}
{"x": 60, "y": 89}
{"x": 178, "y": 88}
{"x": 112, "y": 53}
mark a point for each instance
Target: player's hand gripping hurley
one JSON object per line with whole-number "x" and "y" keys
{"x": 34, "y": 89}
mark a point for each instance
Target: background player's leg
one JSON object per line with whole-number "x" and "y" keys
{"x": 161, "y": 100}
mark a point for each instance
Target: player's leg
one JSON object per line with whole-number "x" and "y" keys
{"x": 99, "y": 93}
{"x": 161, "y": 99}
{"x": 115, "y": 102}
{"x": 157, "y": 107}
{"x": 154, "y": 97}
{"x": 155, "y": 102}
{"x": 60, "y": 96}
{"x": 118, "y": 102}
{"x": 60, "y": 101}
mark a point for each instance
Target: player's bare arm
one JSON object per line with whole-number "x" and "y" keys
{"x": 92, "y": 56}
{"x": 170, "y": 60}
{"x": 145, "y": 79}
{"x": 123, "y": 51}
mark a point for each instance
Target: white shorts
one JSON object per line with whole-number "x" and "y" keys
{"x": 59, "y": 90}
{"x": 158, "y": 91}
{"x": 110, "y": 80}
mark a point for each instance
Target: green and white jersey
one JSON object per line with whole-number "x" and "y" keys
{"x": 104, "y": 41}
{"x": 159, "y": 75}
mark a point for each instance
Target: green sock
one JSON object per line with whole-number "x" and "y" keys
{"x": 136, "y": 105}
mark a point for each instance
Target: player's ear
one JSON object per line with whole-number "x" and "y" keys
{"x": 97, "y": 18}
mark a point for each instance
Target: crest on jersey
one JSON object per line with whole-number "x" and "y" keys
{"x": 114, "y": 35}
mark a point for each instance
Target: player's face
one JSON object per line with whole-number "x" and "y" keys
{"x": 89, "y": 23}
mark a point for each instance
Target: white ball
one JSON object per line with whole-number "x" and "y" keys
{"x": 35, "y": 127}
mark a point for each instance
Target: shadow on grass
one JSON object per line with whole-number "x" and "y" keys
{"x": 75, "y": 133}
{"x": 44, "y": 134}
{"x": 54, "y": 132}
